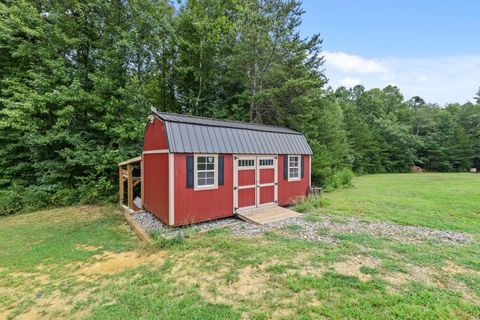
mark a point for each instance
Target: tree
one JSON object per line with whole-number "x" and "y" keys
{"x": 324, "y": 129}
{"x": 477, "y": 97}
{"x": 270, "y": 60}
{"x": 363, "y": 154}
{"x": 74, "y": 95}
{"x": 205, "y": 35}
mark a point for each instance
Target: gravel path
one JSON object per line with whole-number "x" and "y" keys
{"x": 329, "y": 225}
{"x": 301, "y": 228}
{"x": 385, "y": 229}
{"x": 150, "y": 223}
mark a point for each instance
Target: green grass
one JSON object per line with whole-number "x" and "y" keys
{"x": 44, "y": 255}
{"x": 449, "y": 201}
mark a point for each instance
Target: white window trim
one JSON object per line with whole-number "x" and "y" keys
{"x": 271, "y": 166}
{"x": 254, "y": 166}
{"x": 299, "y": 168}
{"x": 196, "y": 187}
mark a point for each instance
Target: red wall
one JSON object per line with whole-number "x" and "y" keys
{"x": 155, "y": 136}
{"x": 194, "y": 206}
{"x": 155, "y": 171}
{"x": 155, "y": 184}
{"x": 289, "y": 191}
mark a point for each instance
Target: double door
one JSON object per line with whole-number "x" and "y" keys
{"x": 255, "y": 182}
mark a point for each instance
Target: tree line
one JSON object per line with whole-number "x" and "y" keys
{"x": 78, "y": 78}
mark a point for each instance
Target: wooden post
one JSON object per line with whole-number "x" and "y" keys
{"x": 121, "y": 191}
{"x": 130, "y": 186}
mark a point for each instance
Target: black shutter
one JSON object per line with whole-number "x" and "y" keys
{"x": 220, "y": 170}
{"x": 189, "y": 171}
{"x": 302, "y": 167}
{"x": 285, "y": 167}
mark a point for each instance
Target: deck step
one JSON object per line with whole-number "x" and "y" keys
{"x": 266, "y": 215}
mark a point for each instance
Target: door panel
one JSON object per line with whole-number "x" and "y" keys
{"x": 246, "y": 177}
{"x": 267, "y": 194}
{"x": 246, "y": 197}
{"x": 267, "y": 175}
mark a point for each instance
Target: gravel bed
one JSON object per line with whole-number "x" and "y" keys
{"x": 385, "y": 229}
{"x": 309, "y": 230}
{"x": 150, "y": 223}
{"x": 300, "y": 228}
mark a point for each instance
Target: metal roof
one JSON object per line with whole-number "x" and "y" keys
{"x": 188, "y": 134}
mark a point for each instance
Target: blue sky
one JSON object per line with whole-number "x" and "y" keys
{"x": 425, "y": 47}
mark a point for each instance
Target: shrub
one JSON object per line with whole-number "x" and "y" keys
{"x": 162, "y": 242}
{"x": 345, "y": 177}
{"x": 302, "y": 205}
{"x": 338, "y": 179}
{"x": 310, "y": 204}
{"x": 10, "y": 202}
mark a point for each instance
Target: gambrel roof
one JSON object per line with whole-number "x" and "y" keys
{"x": 189, "y": 134}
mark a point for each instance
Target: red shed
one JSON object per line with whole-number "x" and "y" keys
{"x": 197, "y": 169}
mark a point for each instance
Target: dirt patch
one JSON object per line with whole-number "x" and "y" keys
{"x": 86, "y": 247}
{"x": 42, "y": 279}
{"x": 251, "y": 282}
{"x": 112, "y": 262}
{"x": 352, "y": 266}
{"x": 453, "y": 268}
{"x": 434, "y": 278}
{"x": 218, "y": 285}
{"x": 397, "y": 278}
{"x": 303, "y": 260}
{"x": 56, "y": 305}
{"x": 425, "y": 275}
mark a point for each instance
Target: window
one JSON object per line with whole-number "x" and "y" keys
{"x": 205, "y": 171}
{"x": 266, "y": 162}
{"x": 293, "y": 167}
{"x": 246, "y": 163}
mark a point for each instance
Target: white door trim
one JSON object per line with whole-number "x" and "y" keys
{"x": 274, "y": 183}
{"x": 171, "y": 189}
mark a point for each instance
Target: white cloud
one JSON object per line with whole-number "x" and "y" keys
{"x": 351, "y": 63}
{"x": 349, "y": 82}
{"x": 436, "y": 79}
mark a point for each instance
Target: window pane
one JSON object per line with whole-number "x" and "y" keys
{"x": 293, "y": 162}
{"x": 201, "y": 159}
{"x": 210, "y": 181}
{"x": 210, "y": 166}
{"x": 293, "y": 172}
{"x": 246, "y": 163}
{"x": 201, "y": 182}
{"x": 266, "y": 162}
{"x": 210, "y": 159}
{"x": 201, "y": 166}
{"x": 210, "y": 174}
{"x": 201, "y": 175}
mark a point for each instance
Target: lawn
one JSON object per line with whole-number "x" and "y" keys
{"x": 448, "y": 201}
{"x": 84, "y": 262}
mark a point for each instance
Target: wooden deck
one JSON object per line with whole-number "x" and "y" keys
{"x": 267, "y": 214}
